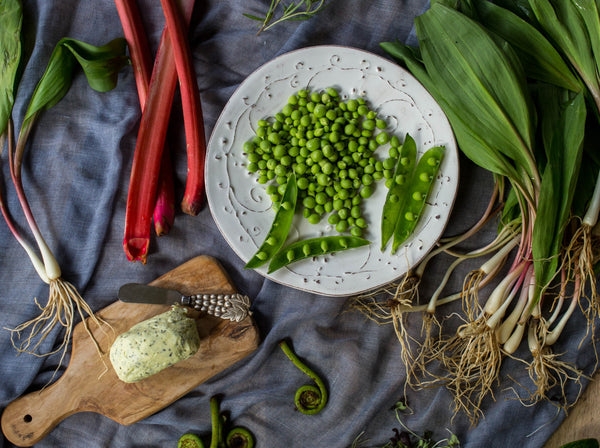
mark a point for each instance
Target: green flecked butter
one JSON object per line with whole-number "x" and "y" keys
{"x": 154, "y": 344}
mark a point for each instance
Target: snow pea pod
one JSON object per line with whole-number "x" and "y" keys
{"x": 279, "y": 228}
{"x": 398, "y": 190}
{"x": 418, "y": 192}
{"x": 313, "y": 247}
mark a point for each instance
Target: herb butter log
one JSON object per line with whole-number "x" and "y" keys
{"x": 154, "y": 344}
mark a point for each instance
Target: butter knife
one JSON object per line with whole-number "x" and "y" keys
{"x": 234, "y": 307}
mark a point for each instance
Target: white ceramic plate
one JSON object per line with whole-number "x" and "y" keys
{"x": 242, "y": 209}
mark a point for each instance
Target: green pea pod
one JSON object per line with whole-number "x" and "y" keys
{"x": 398, "y": 190}
{"x": 418, "y": 192}
{"x": 279, "y": 228}
{"x": 313, "y": 247}
{"x": 11, "y": 19}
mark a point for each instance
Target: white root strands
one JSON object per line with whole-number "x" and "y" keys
{"x": 63, "y": 306}
{"x": 546, "y": 370}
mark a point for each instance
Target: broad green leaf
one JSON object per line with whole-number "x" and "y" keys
{"x": 518, "y": 7}
{"x": 480, "y": 81}
{"x": 562, "y": 21}
{"x": 100, "y": 64}
{"x": 471, "y": 142}
{"x": 539, "y": 58}
{"x": 588, "y": 11}
{"x": 563, "y": 131}
{"x": 11, "y": 20}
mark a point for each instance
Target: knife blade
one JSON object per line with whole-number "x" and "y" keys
{"x": 234, "y": 307}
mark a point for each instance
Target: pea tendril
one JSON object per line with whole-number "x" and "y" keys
{"x": 309, "y": 399}
{"x": 290, "y": 12}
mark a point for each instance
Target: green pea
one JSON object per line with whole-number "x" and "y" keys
{"x": 366, "y": 191}
{"x": 323, "y": 179}
{"x": 321, "y": 198}
{"x": 332, "y": 92}
{"x": 432, "y": 161}
{"x": 303, "y": 183}
{"x": 309, "y": 202}
{"x": 389, "y": 163}
{"x": 341, "y": 226}
{"x": 382, "y": 138}
{"x": 369, "y": 125}
{"x": 314, "y": 218}
{"x": 400, "y": 179}
{"x": 317, "y": 154}
{"x": 356, "y": 231}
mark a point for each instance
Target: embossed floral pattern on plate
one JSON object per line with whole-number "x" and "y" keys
{"x": 242, "y": 209}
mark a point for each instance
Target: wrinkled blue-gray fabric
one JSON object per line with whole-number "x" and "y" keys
{"x": 76, "y": 173}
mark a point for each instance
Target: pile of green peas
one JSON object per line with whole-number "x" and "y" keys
{"x": 329, "y": 144}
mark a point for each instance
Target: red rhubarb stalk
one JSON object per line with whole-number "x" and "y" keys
{"x": 141, "y": 60}
{"x": 145, "y": 170}
{"x": 164, "y": 207}
{"x": 192, "y": 110}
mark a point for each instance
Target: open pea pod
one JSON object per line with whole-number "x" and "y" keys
{"x": 397, "y": 192}
{"x": 280, "y": 226}
{"x": 419, "y": 190}
{"x": 313, "y": 247}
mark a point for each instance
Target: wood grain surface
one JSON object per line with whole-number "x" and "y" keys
{"x": 583, "y": 421}
{"x": 89, "y": 382}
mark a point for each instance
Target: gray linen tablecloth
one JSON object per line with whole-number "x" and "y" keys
{"x": 76, "y": 173}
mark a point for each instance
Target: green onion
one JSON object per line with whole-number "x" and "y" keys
{"x": 515, "y": 100}
{"x": 101, "y": 66}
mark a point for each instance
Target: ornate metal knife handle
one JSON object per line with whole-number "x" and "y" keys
{"x": 235, "y": 307}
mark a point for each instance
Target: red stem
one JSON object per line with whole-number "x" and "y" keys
{"x": 3, "y": 207}
{"x": 141, "y": 59}
{"x": 164, "y": 208}
{"x": 192, "y": 111}
{"x": 149, "y": 147}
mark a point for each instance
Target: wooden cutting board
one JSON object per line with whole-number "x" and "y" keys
{"x": 90, "y": 384}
